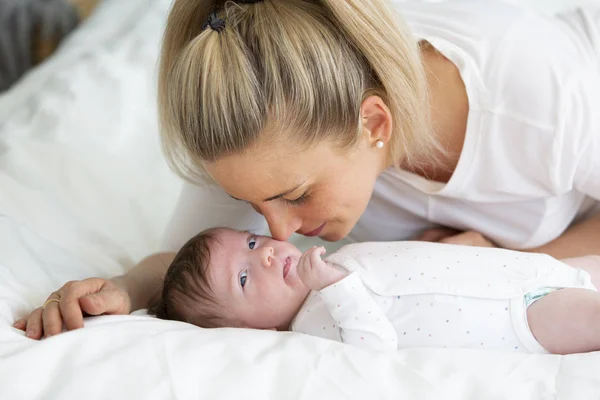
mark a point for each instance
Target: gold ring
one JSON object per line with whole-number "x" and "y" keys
{"x": 50, "y": 301}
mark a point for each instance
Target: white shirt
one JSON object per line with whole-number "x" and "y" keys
{"x": 532, "y": 147}
{"x": 530, "y": 163}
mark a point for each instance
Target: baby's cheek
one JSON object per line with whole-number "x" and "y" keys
{"x": 268, "y": 295}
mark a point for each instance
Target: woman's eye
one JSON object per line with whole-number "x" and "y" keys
{"x": 299, "y": 201}
{"x": 252, "y": 243}
{"x": 243, "y": 278}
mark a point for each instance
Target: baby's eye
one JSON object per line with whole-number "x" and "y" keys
{"x": 252, "y": 243}
{"x": 243, "y": 278}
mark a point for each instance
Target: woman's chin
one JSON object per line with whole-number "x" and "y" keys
{"x": 333, "y": 236}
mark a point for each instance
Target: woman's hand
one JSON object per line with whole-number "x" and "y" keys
{"x": 93, "y": 296}
{"x": 452, "y": 236}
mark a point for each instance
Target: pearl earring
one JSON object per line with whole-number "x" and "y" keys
{"x": 379, "y": 144}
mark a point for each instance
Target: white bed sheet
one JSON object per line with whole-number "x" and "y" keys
{"x": 84, "y": 191}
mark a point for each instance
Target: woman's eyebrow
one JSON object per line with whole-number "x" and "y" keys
{"x": 285, "y": 193}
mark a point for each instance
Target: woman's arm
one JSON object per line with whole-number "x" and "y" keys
{"x": 199, "y": 208}
{"x": 139, "y": 288}
{"x": 579, "y": 240}
{"x": 144, "y": 282}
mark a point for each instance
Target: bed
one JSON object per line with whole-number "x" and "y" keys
{"x": 84, "y": 191}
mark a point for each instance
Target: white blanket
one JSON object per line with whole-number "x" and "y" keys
{"x": 84, "y": 191}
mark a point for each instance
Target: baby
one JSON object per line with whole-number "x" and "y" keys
{"x": 387, "y": 295}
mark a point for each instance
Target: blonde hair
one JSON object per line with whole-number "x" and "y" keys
{"x": 299, "y": 68}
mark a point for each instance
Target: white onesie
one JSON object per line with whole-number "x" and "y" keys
{"x": 416, "y": 294}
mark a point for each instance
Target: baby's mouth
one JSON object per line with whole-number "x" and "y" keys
{"x": 287, "y": 266}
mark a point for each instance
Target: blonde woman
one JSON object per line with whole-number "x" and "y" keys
{"x": 464, "y": 122}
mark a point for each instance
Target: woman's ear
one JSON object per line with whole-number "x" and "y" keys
{"x": 376, "y": 120}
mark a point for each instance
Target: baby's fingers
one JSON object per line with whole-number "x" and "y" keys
{"x": 304, "y": 268}
{"x": 315, "y": 255}
{"x": 303, "y": 262}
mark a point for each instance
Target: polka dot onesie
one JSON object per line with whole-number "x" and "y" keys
{"x": 417, "y": 294}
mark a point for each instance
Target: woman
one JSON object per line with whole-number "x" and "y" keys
{"x": 331, "y": 118}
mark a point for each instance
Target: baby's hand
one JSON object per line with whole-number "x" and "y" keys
{"x": 315, "y": 273}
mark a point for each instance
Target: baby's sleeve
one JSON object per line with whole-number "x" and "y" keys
{"x": 207, "y": 206}
{"x": 361, "y": 320}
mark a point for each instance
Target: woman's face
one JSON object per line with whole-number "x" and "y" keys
{"x": 320, "y": 191}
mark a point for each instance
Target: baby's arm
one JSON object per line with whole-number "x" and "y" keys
{"x": 361, "y": 321}
{"x": 566, "y": 321}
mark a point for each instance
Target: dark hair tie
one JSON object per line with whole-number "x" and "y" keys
{"x": 218, "y": 24}
{"x": 215, "y": 23}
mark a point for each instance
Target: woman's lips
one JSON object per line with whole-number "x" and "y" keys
{"x": 317, "y": 231}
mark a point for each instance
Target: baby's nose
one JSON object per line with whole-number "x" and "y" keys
{"x": 267, "y": 256}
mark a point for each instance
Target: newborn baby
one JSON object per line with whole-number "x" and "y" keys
{"x": 387, "y": 295}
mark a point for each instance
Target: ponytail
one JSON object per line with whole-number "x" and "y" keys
{"x": 296, "y": 70}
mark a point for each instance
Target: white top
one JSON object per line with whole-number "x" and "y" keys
{"x": 416, "y": 294}
{"x": 531, "y": 158}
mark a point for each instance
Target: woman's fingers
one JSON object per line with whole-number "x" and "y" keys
{"x": 94, "y": 296}
{"x": 71, "y": 293}
{"x": 104, "y": 302}
{"x": 452, "y": 236}
{"x": 34, "y": 324}
{"x": 436, "y": 234}
{"x": 110, "y": 299}
{"x": 51, "y": 319}
{"x": 20, "y": 324}
{"x": 470, "y": 238}
{"x": 93, "y": 304}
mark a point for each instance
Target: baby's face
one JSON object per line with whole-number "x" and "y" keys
{"x": 255, "y": 279}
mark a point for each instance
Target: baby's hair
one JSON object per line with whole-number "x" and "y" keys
{"x": 292, "y": 70}
{"x": 187, "y": 295}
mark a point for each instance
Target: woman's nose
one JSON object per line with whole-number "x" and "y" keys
{"x": 282, "y": 224}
